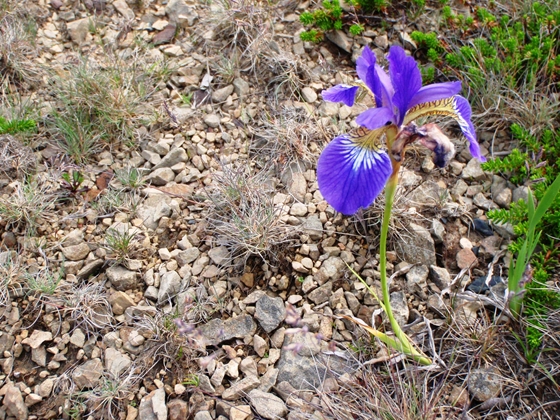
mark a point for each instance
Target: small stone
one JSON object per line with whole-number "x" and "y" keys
{"x": 340, "y": 39}
{"x": 240, "y": 412}
{"x": 440, "y": 276}
{"x": 88, "y": 374}
{"x": 503, "y": 198}
{"x": 116, "y": 362}
{"x": 484, "y": 384}
{"x": 122, "y": 7}
{"x": 298, "y": 209}
{"x": 177, "y": 409}
{"x": 270, "y": 312}
{"x": 241, "y": 87}
{"x": 169, "y": 286}
{"x": 121, "y": 278}
{"x": 219, "y": 255}
{"x": 78, "y": 30}
{"x": 172, "y": 158}
{"x": 39, "y": 356}
{"x": 187, "y": 256}
{"x": 308, "y": 95}
{"x": 240, "y": 388}
{"x": 437, "y": 231}
{"x": 466, "y": 258}
{"x": 321, "y": 294}
{"x": 416, "y": 277}
{"x": 13, "y": 402}
{"x": 46, "y": 387}
{"x": 298, "y": 186}
{"x": 212, "y": 120}
{"x": 217, "y": 331}
{"x": 260, "y": 346}
{"x": 76, "y": 252}
{"x": 400, "y": 307}
{"x": 37, "y": 338}
{"x": 120, "y": 301}
{"x": 161, "y": 177}
{"x": 267, "y": 405}
{"x": 465, "y": 243}
{"x": 481, "y": 201}
{"x": 78, "y": 338}
{"x": 220, "y": 95}
{"x": 152, "y": 406}
{"x": 419, "y": 246}
{"x": 473, "y": 171}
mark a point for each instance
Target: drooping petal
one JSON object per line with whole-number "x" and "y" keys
{"x": 387, "y": 88}
{"x": 341, "y": 93}
{"x": 455, "y": 107}
{"x": 373, "y": 83}
{"x": 351, "y": 175}
{"x": 375, "y": 118}
{"x": 405, "y": 77}
{"x": 435, "y": 92}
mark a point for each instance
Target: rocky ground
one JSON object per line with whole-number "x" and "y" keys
{"x": 197, "y": 272}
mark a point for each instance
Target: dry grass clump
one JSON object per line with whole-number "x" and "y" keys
{"x": 11, "y": 273}
{"x": 28, "y": 205}
{"x": 102, "y": 104}
{"x": 15, "y": 159}
{"x": 17, "y": 49}
{"x": 286, "y": 135}
{"x": 243, "y": 216}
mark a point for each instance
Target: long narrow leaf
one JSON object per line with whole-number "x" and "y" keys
{"x": 546, "y": 201}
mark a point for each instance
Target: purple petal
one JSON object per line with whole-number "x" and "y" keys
{"x": 374, "y": 84}
{"x": 374, "y": 118}
{"x": 463, "y": 117}
{"x": 405, "y": 78}
{"x": 364, "y": 62}
{"x": 350, "y": 176}
{"x": 387, "y": 87}
{"x": 341, "y": 93}
{"x": 435, "y": 92}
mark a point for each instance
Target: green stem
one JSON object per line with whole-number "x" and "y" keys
{"x": 406, "y": 346}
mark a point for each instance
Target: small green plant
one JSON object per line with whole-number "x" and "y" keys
{"x": 15, "y": 126}
{"x": 186, "y": 98}
{"x": 130, "y": 177}
{"x": 72, "y": 181}
{"x": 192, "y": 380}
{"x": 43, "y": 282}
{"x": 120, "y": 242}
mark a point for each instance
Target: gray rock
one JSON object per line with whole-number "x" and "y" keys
{"x": 381, "y": 41}
{"x": 90, "y": 269}
{"x": 440, "y": 276}
{"x": 116, "y": 362}
{"x": 505, "y": 230}
{"x": 240, "y": 388}
{"x": 180, "y": 13}
{"x": 13, "y": 402}
{"x": 121, "y": 277}
{"x": 152, "y": 406}
{"x": 520, "y": 193}
{"x": 219, "y": 255}
{"x": 399, "y": 307}
{"x": 308, "y": 95}
{"x": 340, "y": 39}
{"x": 436, "y": 304}
{"x": 241, "y": 87}
{"x": 169, "y": 286}
{"x": 172, "y": 158}
{"x": 203, "y": 415}
{"x": 220, "y": 95}
{"x": 46, "y": 387}
{"x": 73, "y": 238}
{"x": 484, "y": 384}
{"x": 217, "y": 331}
{"x": 120, "y": 301}
{"x": 212, "y": 120}
{"x": 151, "y": 293}
{"x": 313, "y": 227}
{"x": 76, "y": 252}
{"x": 419, "y": 246}
{"x": 270, "y": 312}
{"x": 268, "y": 380}
{"x": 161, "y": 177}
{"x": 39, "y": 356}
{"x": 267, "y": 405}
{"x": 78, "y": 30}
{"x": 331, "y": 269}
{"x": 308, "y": 367}
{"x": 484, "y": 203}
{"x": 88, "y": 374}
{"x": 7, "y": 341}
{"x": 321, "y": 294}
{"x": 427, "y": 194}
{"x": 416, "y": 277}
{"x": 503, "y": 198}
{"x": 187, "y": 256}
{"x": 473, "y": 171}
{"x": 122, "y": 7}
{"x": 437, "y": 231}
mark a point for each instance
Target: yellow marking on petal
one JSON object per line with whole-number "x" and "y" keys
{"x": 369, "y": 139}
{"x": 444, "y": 107}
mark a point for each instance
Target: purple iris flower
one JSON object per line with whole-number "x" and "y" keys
{"x": 354, "y": 168}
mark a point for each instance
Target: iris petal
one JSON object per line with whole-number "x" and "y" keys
{"x": 364, "y": 62}
{"x": 435, "y": 92}
{"x": 374, "y": 118}
{"x": 351, "y": 176}
{"x": 405, "y": 77}
{"x": 341, "y": 93}
{"x": 455, "y": 107}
